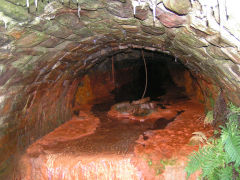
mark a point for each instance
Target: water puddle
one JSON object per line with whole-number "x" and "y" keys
{"x": 163, "y": 122}
{"x": 94, "y": 145}
{"x": 112, "y": 136}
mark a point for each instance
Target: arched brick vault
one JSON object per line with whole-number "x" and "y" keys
{"x": 42, "y": 54}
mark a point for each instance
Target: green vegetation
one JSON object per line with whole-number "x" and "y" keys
{"x": 212, "y": 102}
{"x": 220, "y": 158}
{"x": 150, "y": 162}
{"x": 197, "y": 138}
{"x": 159, "y": 166}
{"x": 209, "y": 118}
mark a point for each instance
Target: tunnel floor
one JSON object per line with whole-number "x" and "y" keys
{"x": 93, "y": 145}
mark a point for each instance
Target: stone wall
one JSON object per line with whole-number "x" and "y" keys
{"x": 43, "y": 52}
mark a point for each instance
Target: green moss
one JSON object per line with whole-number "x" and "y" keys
{"x": 201, "y": 101}
{"x": 150, "y": 162}
{"x": 19, "y": 13}
{"x": 31, "y": 39}
{"x": 159, "y": 166}
{"x": 233, "y": 108}
{"x": 124, "y": 21}
{"x": 83, "y": 32}
{"x": 20, "y": 63}
{"x": 91, "y": 4}
{"x": 189, "y": 39}
{"x": 52, "y": 27}
{"x": 168, "y": 162}
{"x": 209, "y": 118}
{"x": 26, "y": 64}
{"x": 212, "y": 102}
{"x": 99, "y": 28}
{"x": 69, "y": 20}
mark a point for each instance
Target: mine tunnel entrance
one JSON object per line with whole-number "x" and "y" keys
{"x": 124, "y": 77}
{"x": 123, "y": 128}
{"x": 160, "y": 77}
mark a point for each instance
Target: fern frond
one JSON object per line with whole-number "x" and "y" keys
{"x": 232, "y": 148}
{"x": 197, "y": 138}
{"x": 225, "y": 173}
{"x": 237, "y": 169}
{"x": 230, "y": 137}
{"x": 208, "y": 158}
{"x": 213, "y": 161}
{"x": 200, "y": 134}
{"x": 209, "y": 118}
{"x": 205, "y": 159}
{"x": 194, "y": 163}
{"x": 220, "y": 157}
{"x": 234, "y": 108}
{"x": 232, "y": 117}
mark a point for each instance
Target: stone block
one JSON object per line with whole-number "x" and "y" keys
{"x": 180, "y": 7}
{"x": 31, "y": 39}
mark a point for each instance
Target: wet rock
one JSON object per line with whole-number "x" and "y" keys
{"x": 236, "y": 69}
{"x": 156, "y": 31}
{"x": 5, "y": 55}
{"x": 51, "y": 42}
{"x": 232, "y": 53}
{"x": 201, "y": 25}
{"x": 124, "y": 107}
{"x": 141, "y": 13}
{"x": 195, "y": 52}
{"x": 119, "y": 9}
{"x": 57, "y": 30}
{"x": 31, "y": 39}
{"x": 149, "y": 133}
{"x": 220, "y": 111}
{"x": 19, "y": 14}
{"x": 76, "y": 128}
{"x": 216, "y": 52}
{"x": 139, "y": 111}
{"x": 132, "y": 29}
{"x": 6, "y": 76}
{"x": 92, "y": 5}
{"x": 186, "y": 37}
{"x": 141, "y": 101}
{"x": 83, "y": 32}
{"x": 70, "y": 20}
{"x": 198, "y": 32}
{"x": 4, "y": 39}
{"x": 180, "y": 7}
{"x": 125, "y": 21}
{"x": 149, "y": 105}
{"x": 99, "y": 28}
{"x": 168, "y": 18}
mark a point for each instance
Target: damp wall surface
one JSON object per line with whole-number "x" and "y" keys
{"x": 122, "y": 77}
{"x": 44, "y": 53}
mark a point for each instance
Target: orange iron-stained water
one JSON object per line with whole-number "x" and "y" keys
{"x": 96, "y": 145}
